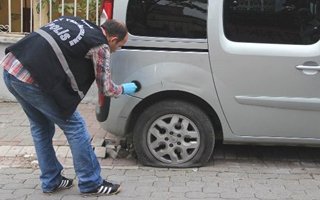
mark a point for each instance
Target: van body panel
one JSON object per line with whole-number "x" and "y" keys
{"x": 160, "y": 71}
{"x": 256, "y": 89}
{"x": 171, "y": 64}
{"x": 262, "y": 83}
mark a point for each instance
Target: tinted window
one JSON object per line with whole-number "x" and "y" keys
{"x": 168, "y": 18}
{"x": 272, "y": 21}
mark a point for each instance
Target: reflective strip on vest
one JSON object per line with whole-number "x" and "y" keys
{"x": 62, "y": 60}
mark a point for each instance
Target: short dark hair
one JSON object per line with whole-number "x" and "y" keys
{"x": 115, "y": 29}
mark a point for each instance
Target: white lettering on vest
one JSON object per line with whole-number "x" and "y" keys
{"x": 64, "y": 37}
{"x": 56, "y": 28}
{"x": 63, "y": 32}
{"x": 79, "y": 36}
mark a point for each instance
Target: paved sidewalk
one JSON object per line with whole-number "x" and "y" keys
{"x": 235, "y": 172}
{"x": 16, "y": 144}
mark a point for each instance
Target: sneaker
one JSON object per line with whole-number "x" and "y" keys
{"x": 64, "y": 184}
{"x": 106, "y": 188}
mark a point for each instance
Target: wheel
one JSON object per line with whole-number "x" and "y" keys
{"x": 173, "y": 133}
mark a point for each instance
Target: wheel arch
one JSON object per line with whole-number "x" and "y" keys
{"x": 178, "y": 95}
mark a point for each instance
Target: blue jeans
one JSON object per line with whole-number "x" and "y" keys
{"x": 43, "y": 114}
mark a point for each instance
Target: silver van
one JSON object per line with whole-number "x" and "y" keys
{"x": 239, "y": 71}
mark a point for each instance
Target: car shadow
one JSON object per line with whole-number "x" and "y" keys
{"x": 251, "y": 153}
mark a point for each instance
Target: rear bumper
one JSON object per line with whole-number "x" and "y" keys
{"x": 119, "y": 113}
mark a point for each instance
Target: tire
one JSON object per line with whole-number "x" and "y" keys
{"x": 173, "y": 133}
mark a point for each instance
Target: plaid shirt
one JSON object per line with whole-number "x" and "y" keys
{"x": 99, "y": 55}
{"x": 14, "y": 67}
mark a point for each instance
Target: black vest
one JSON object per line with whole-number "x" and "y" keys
{"x": 55, "y": 57}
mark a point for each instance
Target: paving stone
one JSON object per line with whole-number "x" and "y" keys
{"x": 78, "y": 197}
{"x": 11, "y": 181}
{"x": 263, "y": 176}
{"x": 7, "y": 191}
{"x": 316, "y": 176}
{"x": 195, "y": 184}
{"x": 23, "y": 192}
{"x": 139, "y": 172}
{"x": 312, "y": 170}
{"x": 118, "y": 197}
{"x": 300, "y": 196}
{"x": 199, "y": 174}
{"x": 127, "y": 192}
{"x": 62, "y": 151}
{"x": 12, "y": 186}
{"x": 14, "y": 151}
{"x": 232, "y": 175}
{"x": 179, "y": 179}
{"x": 309, "y": 164}
{"x": 201, "y": 195}
{"x": 11, "y": 133}
{"x": 7, "y": 196}
{"x": 24, "y": 176}
{"x": 36, "y": 172}
{"x": 108, "y": 172}
{"x": 184, "y": 189}
{"x": 271, "y": 195}
{"x": 166, "y": 173}
{"x": 138, "y": 194}
{"x": 100, "y": 151}
{"x": 11, "y": 171}
{"x": 131, "y": 167}
{"x": 4, "y": 150}
{"x": 69, "y": 172}
{"x": 119, "y": 178}
{"x": 314, "y": 194}
{"x": 38, "y": 195}
{"x": 149, "y": 189}
{"x": 207, "y": 189}
{"x": 66, "y": 162}
{"x": 295, "y": 176}
{"x": 6, "y": 176}
{"x": 233, "y": 194}
{"x": 163, "y": 195}
{"x": 162, "y": 184}
{"x": 310, "y": 184}
{"x": 179, "y": 184}
{"x": 32, "y": 181}
{"x": 28, "y": 150}
{"x": 97, "y": 139}
{"x": 124, "y": 162}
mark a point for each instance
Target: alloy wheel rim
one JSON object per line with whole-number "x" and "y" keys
{"x": 173, "y": 139}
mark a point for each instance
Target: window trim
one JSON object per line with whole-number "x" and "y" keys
{"x": 163, "y": 42}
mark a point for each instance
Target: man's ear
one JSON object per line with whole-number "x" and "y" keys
{"x": 113, "y": 39}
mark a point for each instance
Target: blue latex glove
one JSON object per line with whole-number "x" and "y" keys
{"x": 129, "y": 88}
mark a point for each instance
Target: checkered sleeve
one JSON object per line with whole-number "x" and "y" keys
{"x": 15, "y": 68}
{"x": 101, "y": 59}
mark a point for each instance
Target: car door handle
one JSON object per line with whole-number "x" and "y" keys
{"x": 303, "y": 67}
{"x": 308, "y": 69}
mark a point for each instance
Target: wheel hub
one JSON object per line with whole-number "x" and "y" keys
{"x": 173, "y": 139}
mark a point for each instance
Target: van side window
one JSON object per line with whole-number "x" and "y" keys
{"x": 272, "y": 21}
{"x": 168, "y": 18}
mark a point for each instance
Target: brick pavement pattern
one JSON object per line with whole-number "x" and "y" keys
{"x": 235, "y": 172}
